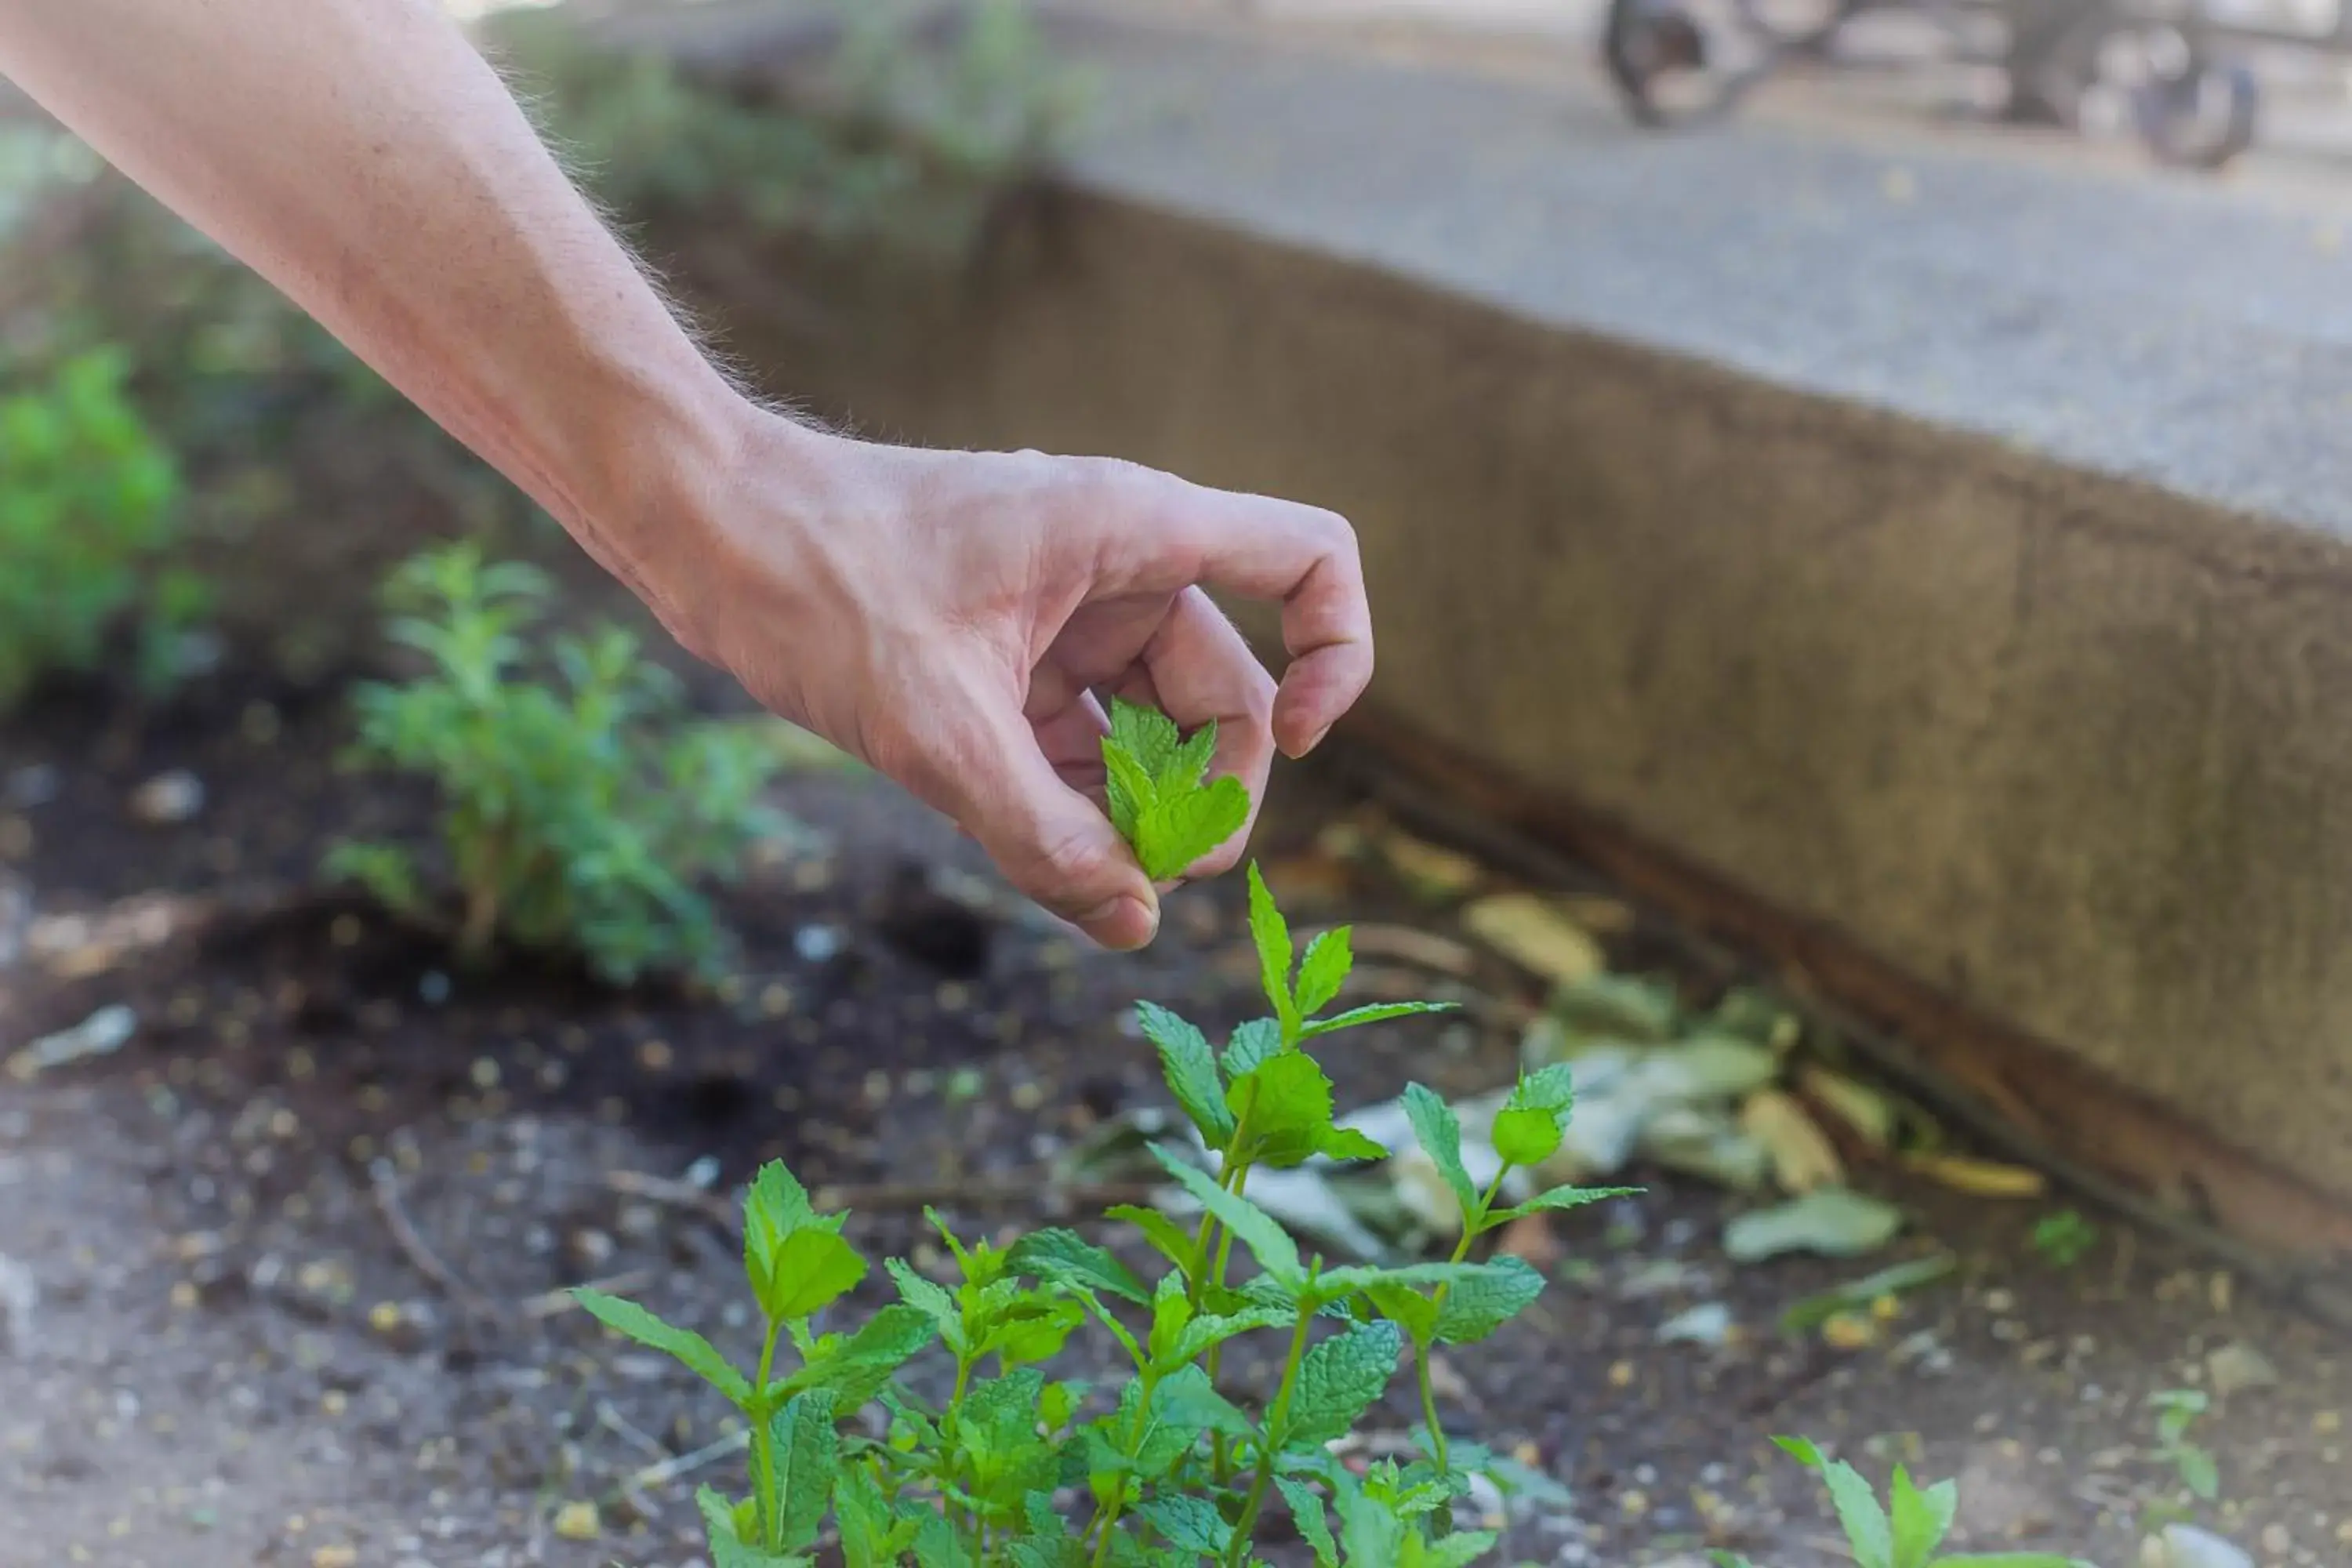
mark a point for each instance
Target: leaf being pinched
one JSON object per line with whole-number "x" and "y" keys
{"x": 1161, "y": 800}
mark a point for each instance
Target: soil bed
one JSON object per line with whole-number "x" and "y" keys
{"x": 297, "y": 1245}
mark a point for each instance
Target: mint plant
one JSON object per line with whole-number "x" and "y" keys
{"x": 1162, "y": 799}
{"x": 579, "y": 802}
{"x": 2177, "y": 1410}
{"x": 88, "y": 499}
{"x": 1166, "y": 1467}
{"x": 1905, "y": 1531}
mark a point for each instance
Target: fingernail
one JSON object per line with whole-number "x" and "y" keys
{"x": 1315, "y": 741}
{"x": 1122, "y": 911}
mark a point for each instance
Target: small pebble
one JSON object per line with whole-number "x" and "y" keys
{"x": 168, "y": 799}
{"x": 335, "y": 1557}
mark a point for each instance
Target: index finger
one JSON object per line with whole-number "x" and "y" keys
{"x": 1301, "y": 556}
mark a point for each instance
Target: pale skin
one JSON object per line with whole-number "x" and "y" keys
{"x": 948, "y": 617}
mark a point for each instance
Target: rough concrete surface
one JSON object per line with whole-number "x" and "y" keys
{"x": 1948, "y": 548}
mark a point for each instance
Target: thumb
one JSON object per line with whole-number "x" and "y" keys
{"x": 1050, "y": 841}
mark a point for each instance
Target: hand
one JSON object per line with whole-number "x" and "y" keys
{"x": 948, "y": 618}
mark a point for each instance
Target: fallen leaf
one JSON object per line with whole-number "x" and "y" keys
{"x": 1835, "y": 1222}
{"x": 1536, "y": 935}
{"x": 1870, "y": 1113}
{"x": 1704, "y": 1142}
{"x": 1636, "y": 1008}
{"x": 1802, "y": 1157}
{"x": 102, "y": 1033}
{"x": 1816, "y": 1309}
{"x": 1849, "y": 1332}
{"x": 1980, "y": 1178}
{"x": 1708, "y": 1323}
{"x": 1404, "y": 944}
{"x": 1431, "y": 872}
{"x": 2238, "y": 1367}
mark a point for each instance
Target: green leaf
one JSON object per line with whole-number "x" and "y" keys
{"x": 1190, "y": 1069}
{"x": 1526, "y": 1137}
{"x": 1324, "y": 969}
{"x": 1286, "y": 1101}
{"x": 1204, "y": 1333}
{"x": 1147, "y": 735}
{"x": 728, "y": 1547}
{"x": 1439, "y": 1132}
{"x": 1920, "y": 1520}
{"x": 1337, "y": 1382}
{"x": 2198, "y": 1470}
{"x": 1168, "y": 1239}
{"x": 1564, "y": 1198}
{"x": 1188, "y": 763}
{"x": 813, "y": 1270}
{"x": 930, "y": 1299}
{"x": 1271, "y": 934}
{"x": 1407, "y": 1308}
{"x": 1371, "y": 1535}
{"x": 1251, "y": 1225}
{"x": 1176, "y": 830}
{"x": 1378, "y": 1012}
{"x": 1457, "y": 1551}
{"x": 2010, "y": 1559}
{"x": 806, "y": 1446}
{"x": 939, "y": 1544}
{"x": 1192, "y": 1524}
{"x": 1350, "y": 1143}
{"x": 1476, "y": 1306}
{"x": 699, "y": 1355}
{"x": 870, "y": 1536}
{"x": 1306, "y": 1510}
{"x": 1866, "y": 1527}
{"x": 1129, "y": 791}
{"x": 854, "y": 1369}
{"x": 1065, "y": 1257}
{"x": 1251, "y": 1044}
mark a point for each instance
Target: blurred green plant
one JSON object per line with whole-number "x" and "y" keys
{"x": 1907, "y": 1531}
{"x": 577, "y": 813}
{"x": 2065, "y": 1237}
{"x": 89, "y": 504}
{"x": 903, "y": 138}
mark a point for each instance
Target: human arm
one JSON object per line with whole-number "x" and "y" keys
{"x": 944, "y": 616}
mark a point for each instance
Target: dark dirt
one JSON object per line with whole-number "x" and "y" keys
{"x": 296, "y": 1245}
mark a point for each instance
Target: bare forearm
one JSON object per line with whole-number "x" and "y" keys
{"x": 361, "y": 155}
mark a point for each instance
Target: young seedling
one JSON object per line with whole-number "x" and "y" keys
{"x": 1907, "y": 1529}
{"x": 2065, "y": 1237}
{"x": 1164, "y": 1469}
{"x": 2177, "y": 1410}
{"x": 88, "y": 513}
{"x": 575, "y": 815}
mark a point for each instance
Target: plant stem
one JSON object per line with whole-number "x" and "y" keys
{"x": 1472, "y": 1226}
{"x": 1237, "y": 1552}
{"x": 764, "y": 1446}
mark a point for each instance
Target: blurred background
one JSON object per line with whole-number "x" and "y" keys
{"x": 1856, "y": 499}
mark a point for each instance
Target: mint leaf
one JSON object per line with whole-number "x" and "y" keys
{"x": 939, "y": 1544}
{"x": 775, "y": 1206}
{"x": 1176, "y": 830}
{"x": 1377, "y": 1013}
{"x": 1566, "y": 1198}
{"x": 1411, "y": 1311}
{"x": 1337, "y": 1382}
{"x": 1271, "y": 934}
{"x": 1348, "y": 1143}
{"x": 1192, "y": 1524}
{"x": 728, "y": 1547}
{"x": 1286, "y": 1101}
{"x": 930, "y": 1299}
{"x": 1251, "y": 1225}
{"x": 1160, "y": 799}
{"x": 1865, "y": 1523}
{"x": 1307, "y": 1511}
{"x": 699, "y": 1355}
{"x": 1324, "y": 969}
{"x": 1204, "y": 1333}
{"x": 853, "y": 1370}
{"x": 1251, "y": 1044}
{"x": 1168, "y": 1239}
{"x": 1148, "y": 735}
{"x": 1525, "y": 1137}
{"x": 1920, "y": 1519}
{"x": 1439, "y": 1132}
{"x": 1190, "y": 1069}
{"x": 1457, "y": 1551}
{"x": 805, "y": 1448}
{"x": 1479, "y": 1303}
{"x": 1066, "y": 1257}
{"x": 870, "y": 1536}
{"x": 813, "y": 1269}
